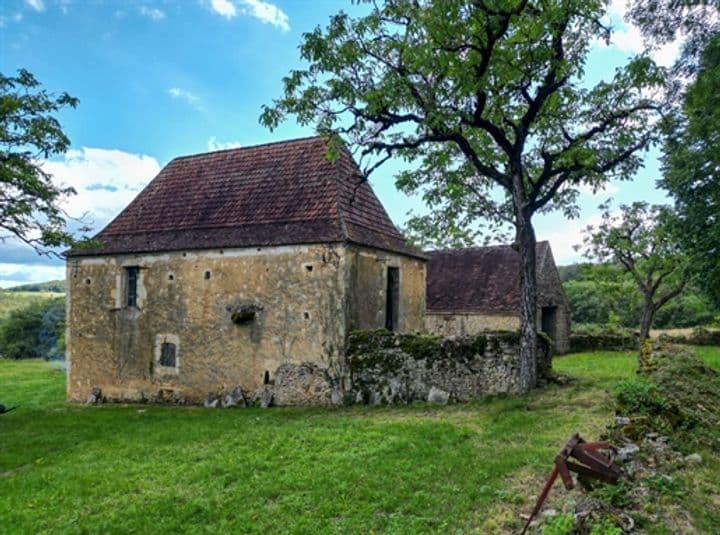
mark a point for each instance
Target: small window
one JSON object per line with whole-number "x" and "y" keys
{"x": 167, "y": 355}
{"x": 131, "y": 273}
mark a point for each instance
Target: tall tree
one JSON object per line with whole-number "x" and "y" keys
{"x": 642, "y": 239}
{"x": 691, "y": 152}
{"x": 29, "y": 132}
{"x": 486, "y": 99}
{"x": 691, "y": 169}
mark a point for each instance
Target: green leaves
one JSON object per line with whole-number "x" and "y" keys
{"x": 29, "y": 200}
{"x": 481, "y": 90}
{"x": 691, "y": 169}
{"x": 643, "y": 239}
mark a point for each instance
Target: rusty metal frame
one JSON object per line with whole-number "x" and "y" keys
{"x": 593, "y": 464}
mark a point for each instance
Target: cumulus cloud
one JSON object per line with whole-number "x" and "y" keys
{"x": 187, "y": 96}
{"x": 214, "y": 144}
{"x": 265, "y": 12}
{"x": 152, "y": 13}
{"x": 36, "y": 5}
{"x": 106, "y": 180}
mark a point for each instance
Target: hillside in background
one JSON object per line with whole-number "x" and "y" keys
{"x": 57, "y": 286}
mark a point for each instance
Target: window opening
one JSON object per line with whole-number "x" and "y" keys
{"x": 132, "y": 273}
{"x": 167, "y": 354}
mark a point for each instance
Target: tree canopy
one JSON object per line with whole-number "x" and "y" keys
{"x": 29, "y": 132}
{"x": 691, "y": 169}
{"x": 641, "y": 238}
{"x": 485, "y": 100}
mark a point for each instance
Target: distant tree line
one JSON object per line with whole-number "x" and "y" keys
{"x": 604, "y": 294}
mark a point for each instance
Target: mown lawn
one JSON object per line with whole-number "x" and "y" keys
{"x": 120, "y": 469}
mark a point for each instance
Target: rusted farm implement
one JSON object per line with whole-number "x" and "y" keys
{"x": 591, "y": 463}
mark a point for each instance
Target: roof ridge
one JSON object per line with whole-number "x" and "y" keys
{"x": 239, "y": 149}
{"x": 217, "y": 227}
{"x": 480, "y": 247}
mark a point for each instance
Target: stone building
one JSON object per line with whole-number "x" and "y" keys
{"x": 478, "y": 289}
{"x": 232, "y": 267}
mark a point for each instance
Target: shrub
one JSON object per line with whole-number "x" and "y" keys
{"x": 638, "y": 396}
{"x": 34, "y": 331}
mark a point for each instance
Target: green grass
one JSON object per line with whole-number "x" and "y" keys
{"x": 120, "y": 469}
{"x": 10, "y": 301}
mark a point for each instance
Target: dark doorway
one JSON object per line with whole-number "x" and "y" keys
{"x": 392, "y": 296}
{"x": 549, "y": 321}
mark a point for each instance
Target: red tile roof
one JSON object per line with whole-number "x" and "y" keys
{"x": 477, "y": 279}
{"x": 275, "y": 194}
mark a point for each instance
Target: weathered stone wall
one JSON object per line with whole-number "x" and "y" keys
{"x": 188, "y": 298}
{"x": 368, "y": 289}
{"x": 466, "y": 324}
{"x": 391, "y": 368}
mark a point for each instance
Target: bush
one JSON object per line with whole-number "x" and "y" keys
{"x": 34, "y": 331}
{"x": 637, "y": 396}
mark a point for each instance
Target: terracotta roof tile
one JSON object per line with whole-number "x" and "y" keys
{"x": 476, "y": 279}
{"x": 276, "y": 194}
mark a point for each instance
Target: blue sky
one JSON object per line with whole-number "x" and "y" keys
{"x": 162, "y": 78}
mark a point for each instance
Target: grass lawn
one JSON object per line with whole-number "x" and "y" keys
{"x": 119, "y": 469}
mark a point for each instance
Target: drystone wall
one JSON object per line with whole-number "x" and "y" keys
{"x": 387, "y": 367}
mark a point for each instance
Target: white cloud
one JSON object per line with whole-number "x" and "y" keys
{"x": 106, "y": 180}
{"x": 152, "y": 13}
{"x": 214, "y": 144}
{"x": 16, "y": 274}
{"x": 263, "y": 11}
{"x": 188, "y": 96}
{"x": 224, "y": 8}
{"x": 37, "y": 5}
{"x": 626, "y": 37}
{"x": 267, "y": 13}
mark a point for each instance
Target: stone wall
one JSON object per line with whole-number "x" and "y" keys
{"x": 240, "y": 320}
{"x": 296, "y": 295}
{"x": 467, "y": 324}
{"x": 368, "y": 289}
{"x": 387, "y": 368}
{"x": 395, "y": 368}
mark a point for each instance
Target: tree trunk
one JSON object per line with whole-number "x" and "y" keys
{"x": 648, "y": 315}
{"x": 528, "y": 302}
